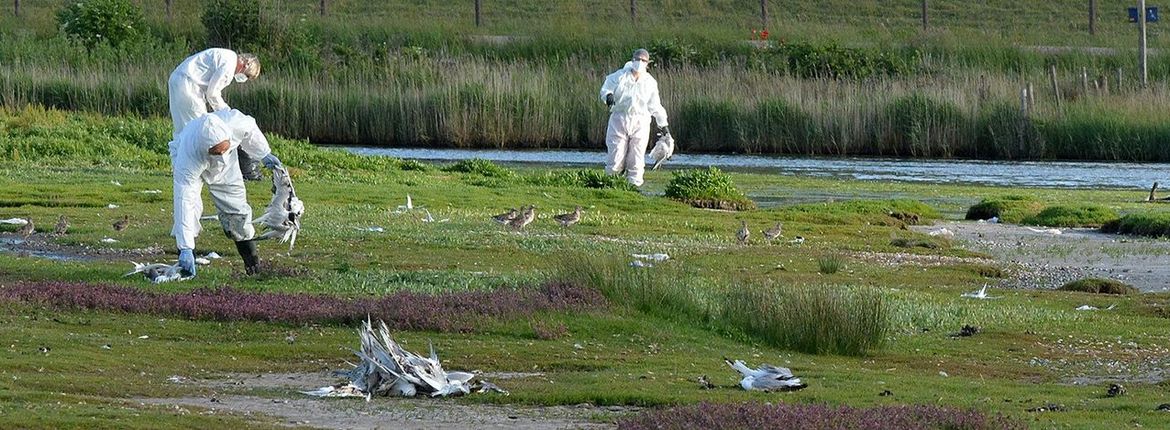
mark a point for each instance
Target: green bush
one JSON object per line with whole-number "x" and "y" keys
{"x": 1072, "y": 216}
{"x": 580, "y": 178}
{"x": 95, "y": 22}
{"x": 1010, "y": 209}
{"x": 1100, "y": 286}
{"x": 234, "y": 24}
{"x": 1155, "y": 224}
{"x": 479, "y": 166}
{"x": 707, "y": 188}
{"x": 830, "y": 264}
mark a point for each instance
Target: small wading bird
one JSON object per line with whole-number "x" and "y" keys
{"x": 743, "y": 233}
{"x": 524, "y": 218}
{"x": 506, "y": 217}
{"x": 774, "y": 232}
{"x": 27, "y": 229}
{"x": 766, "y": 378}
{"x": 570, "y": 218}
{"x": 62, "y": 226}
{"x": 121, "y": 224}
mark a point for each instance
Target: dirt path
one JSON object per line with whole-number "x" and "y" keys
{"x": 1048, "y": 259}
{"x": 287, "y": 406}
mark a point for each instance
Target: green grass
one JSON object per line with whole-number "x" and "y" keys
{"x": 887, "y": 326}
{"x": 1145, "y": 223}
{"x": 1010, "y": 209}
{"x": 1072, "y": 216}
{"x": 1099, "y": 286}
{"x": 707, "y": 188}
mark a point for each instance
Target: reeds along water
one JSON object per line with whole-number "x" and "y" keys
{"x": 476, "y": 102}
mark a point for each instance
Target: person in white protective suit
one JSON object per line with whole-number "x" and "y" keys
{"x": 205, "y": 152}
{"x": 199, "y": 81}
{"x": 632, "y": 97}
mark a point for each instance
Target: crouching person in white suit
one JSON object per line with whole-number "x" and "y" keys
{"x": 632, "y": 97}
{"x": 205, "y": 151}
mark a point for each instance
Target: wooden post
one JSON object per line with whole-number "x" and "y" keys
{"x": 478, "y": 8}
{"x": 1119, "y": 75}
{"x": 634, "y": 11}
{"x": 1142, "y": 43}
{"x": 1092, "y": 17}
{"x": 763, "y": 14}
{"x": 322, "y": 8}
{"x": 16, "y": 8}
{"x": 1024, "y": 101}
{"x": 1152, "y": 190}
{"x": 1055, "y": 86}
{"x": 169, "y": 15}
{"x": 925, "y": 18}
{"x": 1031, "y": 98}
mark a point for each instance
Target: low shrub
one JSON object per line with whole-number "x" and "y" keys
{"x": 580, "y": 178}
{"x": 1154, "y": 224}
{"x": 95, "y": 22}
{"x": 830, "y": 264}
{"x": 1072, "y": 216}
{"x": 479, "y": 166}
{"x": 1100, "y": 286}
{"x": 707, "y": 188}
{"x": 798, "y": 416}
{"x": 1010, "y": 209}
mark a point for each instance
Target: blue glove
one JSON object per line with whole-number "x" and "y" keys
{"x": 187, "y": 262}
{"x": 271, "y": 162}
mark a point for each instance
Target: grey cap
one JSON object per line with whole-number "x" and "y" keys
{"x": 640, "y": 52}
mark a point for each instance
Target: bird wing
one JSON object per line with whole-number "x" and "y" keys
{"x": 14, "y": 221}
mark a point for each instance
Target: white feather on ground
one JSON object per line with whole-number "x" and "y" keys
{"x": 283, "y": 216}
{"x": 766, "y": 378}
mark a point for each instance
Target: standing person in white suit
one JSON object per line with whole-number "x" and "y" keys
{"x": 199, "y": 81}
{"x": 632, "y": 97}
{"x": 205, "y": 151}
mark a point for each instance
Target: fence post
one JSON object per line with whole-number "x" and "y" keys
{"x": 322, "y": 9}
{"x": 478, "y": 8}
{"x": 634, "y": 11}
{"x": 925, "y": 17}
{"x": 1024, "y": 101}
{"x": 1119, "y": 75}
{"x": 168, "y": 4}
{"x": 1142, "y": 43}
{"x": 1084, "y": 81}
{"x": 16, "y": 8}
{"x": 1031, "y": 98}
{"x": 764, "y": 14}
{"x": 1092, "y": 17}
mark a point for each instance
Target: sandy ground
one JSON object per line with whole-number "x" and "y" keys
{"x": 1045, "y": 259}
{"x": 283, "y": 404}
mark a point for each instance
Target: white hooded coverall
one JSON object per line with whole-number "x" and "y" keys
{"x": 635, "y": 102}
{"x": 198, "y": 81}
{"x": 193, "y": 166}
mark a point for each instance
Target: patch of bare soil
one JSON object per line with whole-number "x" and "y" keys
{"x": 1043, "y": 258}
{"x": 283, "y": 404}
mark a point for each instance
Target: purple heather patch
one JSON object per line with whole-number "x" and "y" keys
{"x": 762, "y": 416}
{"x": 448, "y": 312}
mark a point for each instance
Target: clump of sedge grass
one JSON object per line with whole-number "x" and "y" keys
{"x": 1100, "y": 286}
{"x": 1009, "y": 209}
{"x": 830, "y": 264}
{"x": 1073, "y": 216}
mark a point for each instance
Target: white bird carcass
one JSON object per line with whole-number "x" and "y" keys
{"x": 766, "y": 378}
{"x": 157, "y": 273}
{"x": 14, "y": 221}
{"x": 979, "y": 294}
{"x": 662, "y": 151}
{"x": 283, "y": 217}
{"x": 387, "y": 369}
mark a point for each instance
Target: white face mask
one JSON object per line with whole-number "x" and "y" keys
{"x": 639, "y": 66}
{"x": 240, "y": 77}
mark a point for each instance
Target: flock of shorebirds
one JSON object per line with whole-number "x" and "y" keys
{"x": 770, "y": 234}
{"x": 28, "y": 227}
{"x": 517, "y": 219}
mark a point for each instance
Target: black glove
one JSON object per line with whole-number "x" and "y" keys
{"x": 664, "y": 130}
{"x": 609, "y": 100}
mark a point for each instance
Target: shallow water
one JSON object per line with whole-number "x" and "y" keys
{"x": 20, "y": 247}
{"x": 1053, "y": 174}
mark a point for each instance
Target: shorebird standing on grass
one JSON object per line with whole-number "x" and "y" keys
{"x": 774, "y": 232}
{"x": 744, "y": 233}
{"x": 28, "y": 229}
{"x": 570, "y": 218}
{"x": 524, "y": 218}
{"x": 506, "y": 217}
{"x": 122, "y": 223}
{"x": 62, "y": 226}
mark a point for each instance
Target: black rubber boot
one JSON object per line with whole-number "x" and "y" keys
{"x": 247, "y": 249}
